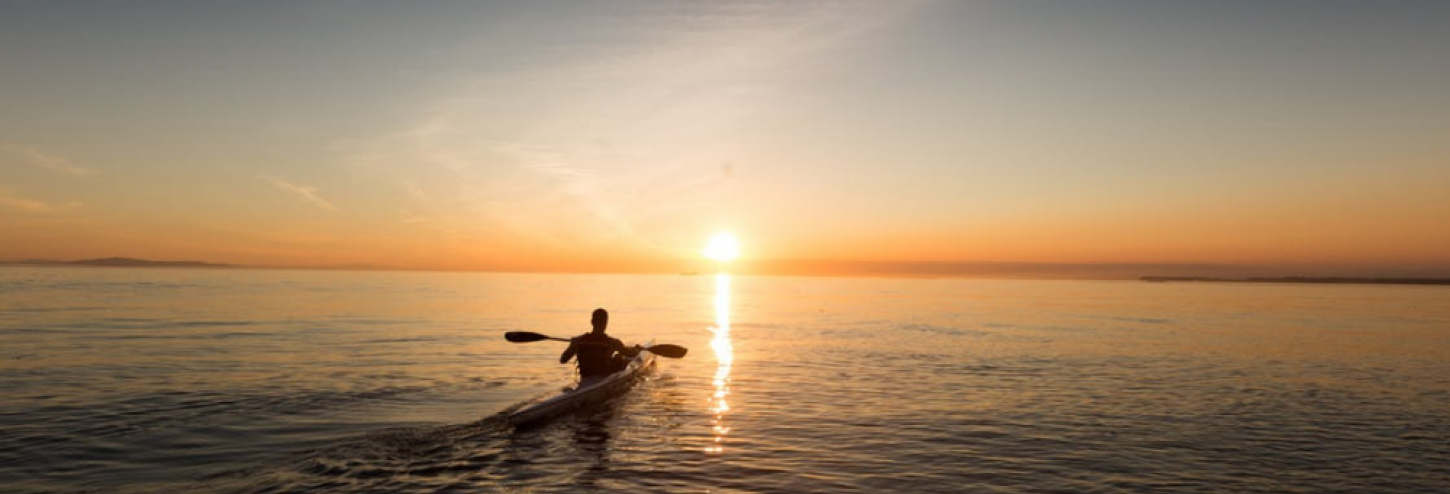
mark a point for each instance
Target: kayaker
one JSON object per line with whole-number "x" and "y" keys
{"x": 599, "y": 354}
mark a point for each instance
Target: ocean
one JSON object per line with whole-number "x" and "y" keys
{"x": 268, "y": 381}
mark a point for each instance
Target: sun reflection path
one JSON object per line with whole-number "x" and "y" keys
{"x": 725, "y": 355}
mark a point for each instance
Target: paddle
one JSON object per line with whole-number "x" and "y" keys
{"x": 671, "y": 351}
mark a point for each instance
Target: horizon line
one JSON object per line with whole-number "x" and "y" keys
{"x": 1099, "y": 270}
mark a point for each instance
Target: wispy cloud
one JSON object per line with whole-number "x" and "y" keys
{"x": 38, "y": 158}
{"x": 613, "y": 136}
{"x": 10, "y": 200}
{"x": 651, "y": 102}
{"x": 307, "y": 193}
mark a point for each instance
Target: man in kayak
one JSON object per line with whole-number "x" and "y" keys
{"x": 599, "y": 354}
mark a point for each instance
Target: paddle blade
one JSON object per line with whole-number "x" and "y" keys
{"x": 523, "y": 336}
{"x": 671, "y": 351}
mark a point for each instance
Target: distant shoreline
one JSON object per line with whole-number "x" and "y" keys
{"x": 119, "y": 262}
{"x": 1301, "y": 279}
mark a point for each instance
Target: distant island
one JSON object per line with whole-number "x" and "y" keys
{"x": 120, "y": 262}
{"x": 1303, "y": 279}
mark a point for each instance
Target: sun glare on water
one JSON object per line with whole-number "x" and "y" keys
{"x": 723, "y": 247}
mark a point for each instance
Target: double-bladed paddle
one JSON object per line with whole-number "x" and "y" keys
{"x": 666, "y": 350}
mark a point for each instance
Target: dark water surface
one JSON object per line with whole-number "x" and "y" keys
{"x": 238, "y": 381}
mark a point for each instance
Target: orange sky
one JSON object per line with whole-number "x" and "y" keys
{"x": 619, "y": 137}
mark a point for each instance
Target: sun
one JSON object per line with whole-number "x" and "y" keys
{"x": 723, "y": 247}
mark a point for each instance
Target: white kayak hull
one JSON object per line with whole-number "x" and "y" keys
{"x": 586, "y": 392}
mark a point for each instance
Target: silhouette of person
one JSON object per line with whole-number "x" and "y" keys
{"x": 599, "y": 354}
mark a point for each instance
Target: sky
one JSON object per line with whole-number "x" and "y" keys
{"x": 621, "y": 135}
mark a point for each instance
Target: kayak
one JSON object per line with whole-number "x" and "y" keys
{"x": 588, "y": 391}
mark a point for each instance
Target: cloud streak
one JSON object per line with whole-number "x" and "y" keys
{"x": 34, "y": 205}
{"x": 305, "y": 192}
{"x": 41, "y": 159}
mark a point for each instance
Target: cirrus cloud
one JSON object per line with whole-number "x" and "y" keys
{"x": 32, "y": 205}
{"x": 41, "y": 159}
{"x": 305, "y": 192}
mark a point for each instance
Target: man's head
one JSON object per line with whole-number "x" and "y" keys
{"x": 600, "y": 319}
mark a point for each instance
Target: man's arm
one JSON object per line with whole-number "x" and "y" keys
{"x": 568, "y": 352}
{"x": 625, "y": 350}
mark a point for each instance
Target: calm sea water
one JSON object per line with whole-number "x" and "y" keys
{"x": 240, "y": 381}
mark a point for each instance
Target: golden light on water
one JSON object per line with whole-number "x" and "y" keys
{"x": 723, "y": 247}
{"x": 725, "y": 355}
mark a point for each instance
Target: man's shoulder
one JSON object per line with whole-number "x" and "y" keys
{"x": 598, "y": 338}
